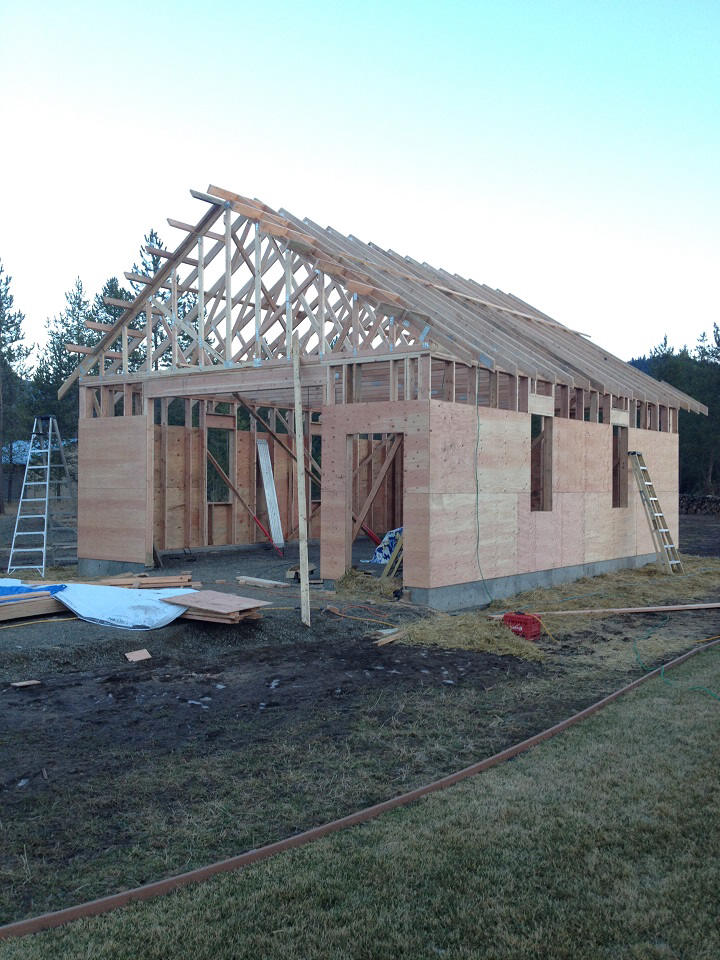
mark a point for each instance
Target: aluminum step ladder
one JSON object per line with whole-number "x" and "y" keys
{"x": 46, "y": 468}
{"x": 665, "y": 549}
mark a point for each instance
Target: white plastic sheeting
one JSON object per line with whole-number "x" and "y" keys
{"x": 121, "y": 607}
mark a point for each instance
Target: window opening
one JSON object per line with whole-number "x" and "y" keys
{"x": 540, "y": 462}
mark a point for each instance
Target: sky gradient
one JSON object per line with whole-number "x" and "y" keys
{"x": 565, "y": 152}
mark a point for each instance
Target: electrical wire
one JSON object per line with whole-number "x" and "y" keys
{"x": 477, "y": 491}
{"x": 30, "y": 623}
{"x": 672, "y": 683}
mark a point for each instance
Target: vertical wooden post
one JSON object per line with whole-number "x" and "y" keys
{"x": 394, "y": 368}
{"x": 321, "y": 313}
{"x": 202, "y": 466}
{"x": 349, "y": 497}
{"x": 148, "y": 407}
{"x": 493, "y": 388}
{"x": 187, "y": 474}
{"x": 449, "y": 381}
{"x": 164, "y": 404}
{"x": 356, "y": 373}
{"x": 606, "y": 406}
{"x": 173, "y": 319}
{"x": 85, "y": 404}
{"x": 233, "y": 474}
{"x": 125, "y": 351}
{"x": 288, "y": 303}
{"x": 594, "y": 406}
{"x": 355, "y": 323}
{"x": 148, "y": 336}
{"x": 330, "y": 385}
{"x": 228, "y": 288}
{"x": 301, "y": 500}
{"x": 258, "y": 293}
{"x": 201, "y": 302}
{"x": 424, "y": 377}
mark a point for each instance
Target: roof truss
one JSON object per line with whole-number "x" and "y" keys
{"x": 245, "y": 280}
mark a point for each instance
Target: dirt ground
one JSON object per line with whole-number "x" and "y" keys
{"x": 240, "y": 735}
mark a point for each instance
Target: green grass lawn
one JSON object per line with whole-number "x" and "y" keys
{"x": 602, "y": 843}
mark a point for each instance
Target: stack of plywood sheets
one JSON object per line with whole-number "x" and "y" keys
{"x": 216, "y": 607}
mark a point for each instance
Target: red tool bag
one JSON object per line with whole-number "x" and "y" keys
{"x": 523, "y": 624}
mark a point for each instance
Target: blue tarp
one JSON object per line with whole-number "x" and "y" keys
{"x": 11, "y": 588}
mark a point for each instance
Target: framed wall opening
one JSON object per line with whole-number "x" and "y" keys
{"x": 619, "y": 466}
{"x": 541, "y": 430}
{"x": 373, "y": 488}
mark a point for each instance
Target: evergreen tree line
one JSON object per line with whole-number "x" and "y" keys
{"x": 697, "y": 373}
{"x": 30, "y": 380}
{"x": 29, "y": 384}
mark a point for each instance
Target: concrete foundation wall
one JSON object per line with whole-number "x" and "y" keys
{"x": 464, "y": 596}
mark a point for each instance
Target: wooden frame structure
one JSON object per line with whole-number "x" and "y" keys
{"x": 391, "y": 352}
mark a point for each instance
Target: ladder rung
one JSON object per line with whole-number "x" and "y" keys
{"x": 648, "y": 483}
{"x": 31, "y": 516}
{"x": 655, "y": 499}
{"x": 29, "y": 533}
{"x": 28, "y": 549}
{"x": 675, "y": 562}
{"x": 663, "y": 530}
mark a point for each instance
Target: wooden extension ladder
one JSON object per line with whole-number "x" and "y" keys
{"x": 665, "y": 549}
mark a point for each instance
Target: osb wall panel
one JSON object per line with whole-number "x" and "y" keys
{"x": 409, "y": 418}
{"x": 112, "y": 489}
{"x": 582, "y": 527}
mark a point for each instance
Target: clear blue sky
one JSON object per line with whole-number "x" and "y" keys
{"x": 566, "y": 152}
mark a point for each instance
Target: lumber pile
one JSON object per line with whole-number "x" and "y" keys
{"x": 39, "y": 603}
{"x": 143, "y": 581}
{"x": 215, "y": 607}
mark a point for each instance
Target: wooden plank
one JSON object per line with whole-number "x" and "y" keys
{"x": 31, "y": 608}
{"x": 135, "y": 656}
{"x": 216, "y": 602}
{"x": 613, "y": 611}
{"x": 261, "y": 582}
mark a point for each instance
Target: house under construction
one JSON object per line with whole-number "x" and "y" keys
{"x": 496, "y": 437}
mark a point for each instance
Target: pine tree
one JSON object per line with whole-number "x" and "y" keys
{"x": 150, "y": 263}
{"x": 56, "y": 363}
{"x": 14, "y": 409}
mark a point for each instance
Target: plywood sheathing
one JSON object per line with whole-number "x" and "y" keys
{"x": 409, "y": 418}
{"x": 114, "y": 511}
{"x": 582, "y": 527}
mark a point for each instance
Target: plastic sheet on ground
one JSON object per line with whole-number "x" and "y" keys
{"x": 128, "y": 609}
